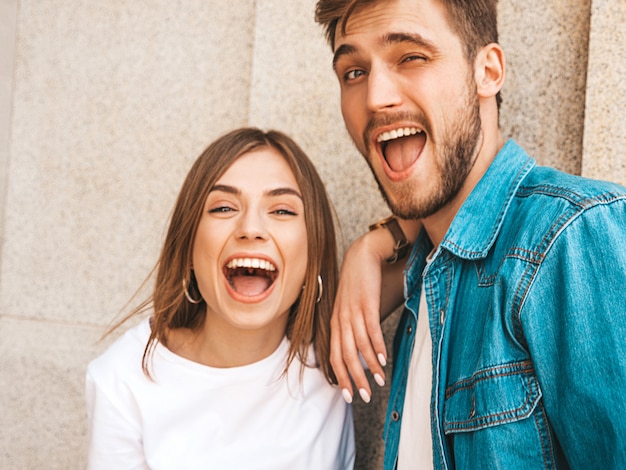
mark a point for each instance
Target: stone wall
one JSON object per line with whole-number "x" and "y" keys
{"x": 104, "y": 105}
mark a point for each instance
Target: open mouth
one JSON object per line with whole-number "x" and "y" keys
{"x": 250, "y": 276}
{"x": 401, "y": 147}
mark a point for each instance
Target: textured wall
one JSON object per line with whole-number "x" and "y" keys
{"x": 104, "y": 105}
{"x": 604, "y": 155}
{"x": 112, "y": 101}
{"x": 544, "y": 95}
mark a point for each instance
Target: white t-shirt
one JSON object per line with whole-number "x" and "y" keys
{"x": 416, "y": 448}
{"x": 191, "y": 416}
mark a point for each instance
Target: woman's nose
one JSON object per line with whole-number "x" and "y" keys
{"x": 251, "y": 227}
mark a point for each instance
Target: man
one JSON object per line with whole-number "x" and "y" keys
{"x": 511, "y": 351}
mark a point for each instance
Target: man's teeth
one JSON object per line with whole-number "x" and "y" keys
{"x": 251, "y": 263}
{"x": 394, "y": 134}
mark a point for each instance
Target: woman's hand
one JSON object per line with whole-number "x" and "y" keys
{"x": 355, "y": 322}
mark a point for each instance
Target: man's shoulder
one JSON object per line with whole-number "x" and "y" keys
{"x": 548, "y": 201}
{"x": 547, "y": 183}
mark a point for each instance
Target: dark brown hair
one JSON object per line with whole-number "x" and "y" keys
{"x": 309, "y": 322}
{"x": 474, "y": 21}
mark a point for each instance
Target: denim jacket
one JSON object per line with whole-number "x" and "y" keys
{"x": 527, "y": 310}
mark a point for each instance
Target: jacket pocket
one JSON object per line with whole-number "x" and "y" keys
{"x": 496, "y": 395}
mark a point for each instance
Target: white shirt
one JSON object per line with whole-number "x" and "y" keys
{"x": 192, "y": 416}
{"x": 416, "y": 448}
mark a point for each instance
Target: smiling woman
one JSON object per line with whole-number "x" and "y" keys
{"x": 253, "y": 220}
{"x": 231, "y": 369}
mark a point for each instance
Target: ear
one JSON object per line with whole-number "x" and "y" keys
{"x": 489, "y": 70}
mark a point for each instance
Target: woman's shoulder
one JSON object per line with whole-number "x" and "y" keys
{"x": 124, "y": 355}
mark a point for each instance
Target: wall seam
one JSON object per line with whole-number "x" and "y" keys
{"x": 584, "y": 116}
{"x": 255, "y": 41}
{"x": 8, "y": 43}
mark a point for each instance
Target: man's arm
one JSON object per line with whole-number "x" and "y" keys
{"x": 574, "y": 322}
{"x": 369, "y": 290}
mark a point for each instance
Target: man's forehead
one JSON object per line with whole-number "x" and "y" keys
{"x": 383, "y": 19}
{"x": 361, "y": 14}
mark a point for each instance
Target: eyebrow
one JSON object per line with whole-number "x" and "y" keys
{"x": 343, "y": 50}
{"x": 387, "y": 40}
{"x": 272, "y": 192}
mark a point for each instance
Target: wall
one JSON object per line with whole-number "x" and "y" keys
{"x": 104, "y": 105}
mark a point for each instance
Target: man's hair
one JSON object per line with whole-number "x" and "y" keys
{"x": 474, "y": 21}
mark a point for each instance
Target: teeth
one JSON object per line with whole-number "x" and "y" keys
{"x": 251, "y": 263}
{"x": 395, "y": 133}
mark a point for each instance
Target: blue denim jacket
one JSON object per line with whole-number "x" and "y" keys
{"x": 527, "y": 309}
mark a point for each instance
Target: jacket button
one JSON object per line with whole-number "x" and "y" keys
{"x": 409, "y": 330}
{"x": 395, "y": 416}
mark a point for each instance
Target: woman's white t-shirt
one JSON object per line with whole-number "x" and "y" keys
{"x": 191, "y": 416}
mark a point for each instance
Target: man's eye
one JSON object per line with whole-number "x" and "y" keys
{"x": 413, "y": 58}
{"x": 353, "y": 74}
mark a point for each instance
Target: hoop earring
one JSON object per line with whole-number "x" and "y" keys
{"x": 320, "y": 288}
{"x": 193, "y": 301}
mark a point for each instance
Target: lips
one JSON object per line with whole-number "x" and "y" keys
{"x": 401, "y": 147}
{"x": 250, "y": 277}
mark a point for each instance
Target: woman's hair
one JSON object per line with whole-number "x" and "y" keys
{"x": 309, "y": 320}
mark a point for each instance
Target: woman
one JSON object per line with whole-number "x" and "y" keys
{"x": 231, "y": 370}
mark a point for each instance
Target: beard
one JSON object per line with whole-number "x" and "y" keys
{"x": 454, "y": 158}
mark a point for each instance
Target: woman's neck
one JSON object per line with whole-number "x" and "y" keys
{"x": 214, "y": 345}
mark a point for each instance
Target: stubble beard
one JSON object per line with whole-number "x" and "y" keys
{"x": 454, "y": 159}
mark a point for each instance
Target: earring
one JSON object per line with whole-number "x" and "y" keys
{"x": 320, "y": 288}
{"x": 193, "y": 301}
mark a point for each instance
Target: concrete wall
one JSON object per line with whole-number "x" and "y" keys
{"x": 104, "y": 105}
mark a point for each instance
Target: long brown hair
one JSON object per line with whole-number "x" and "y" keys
{"x": 309, "y": 320}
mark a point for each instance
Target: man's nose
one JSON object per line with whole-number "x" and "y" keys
{"x": 382, "y": 89}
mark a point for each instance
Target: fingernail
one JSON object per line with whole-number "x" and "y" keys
{"x": 382, "y": 360}
{"x": 364, "y": 395}
{"x": 347, "y": 396}
{"x": 379, "y": 380}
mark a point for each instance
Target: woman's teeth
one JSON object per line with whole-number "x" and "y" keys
{"x": 255, "y": 263}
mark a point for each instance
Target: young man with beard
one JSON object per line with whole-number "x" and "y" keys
{"x": 511, "y": 351}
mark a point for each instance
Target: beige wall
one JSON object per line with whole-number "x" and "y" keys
{"x": 104, "y": 105}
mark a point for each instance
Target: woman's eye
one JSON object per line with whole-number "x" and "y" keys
{"x": 220, "y": 209}
{"x": 284, "y": 212}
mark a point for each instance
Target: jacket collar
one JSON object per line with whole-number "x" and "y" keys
{"x": 478, "y": 221}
